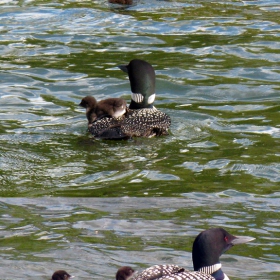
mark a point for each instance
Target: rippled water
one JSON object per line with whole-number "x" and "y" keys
{"x": 91, "y": 238}
{"x": 217, "y": 66}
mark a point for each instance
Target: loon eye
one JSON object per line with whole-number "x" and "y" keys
{"x": 226, "y": 238}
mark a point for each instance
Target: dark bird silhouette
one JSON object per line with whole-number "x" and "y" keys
{"x": 61, "y": 275}
{"x": 124, "y": 273}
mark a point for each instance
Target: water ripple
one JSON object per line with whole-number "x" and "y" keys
{"x": 217, "y": 77}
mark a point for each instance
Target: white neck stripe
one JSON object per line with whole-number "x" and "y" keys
{"x": 210, "y": 269}
{"x": 151, "y": 98}
{"x": 138, "y": 98}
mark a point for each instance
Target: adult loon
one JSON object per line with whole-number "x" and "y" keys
{"x": 61, "y": 275}
{"x": 208, "y": 246}
{"x": 141, "y": 119}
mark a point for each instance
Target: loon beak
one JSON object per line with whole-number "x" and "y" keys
{"x": 241, "y": 239}
{"x": 123, "y": 68}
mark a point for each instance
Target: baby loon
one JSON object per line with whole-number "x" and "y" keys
{"x": 110, "y": 107}
{"x": 61, "y": 275}
{"x": 208, "y": 246}
{"x": 142, "y": 83}
{"x": 124, "y": 273}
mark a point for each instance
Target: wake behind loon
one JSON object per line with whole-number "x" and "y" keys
{"x": 208, "y": 246}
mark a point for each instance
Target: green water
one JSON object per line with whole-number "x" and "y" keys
{"x": 90, "y": 206}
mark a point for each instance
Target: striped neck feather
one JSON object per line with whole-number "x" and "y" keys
{"x": 211, "y": 269}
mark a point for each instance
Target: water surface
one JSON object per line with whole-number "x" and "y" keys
{"x": 217, "y": 67}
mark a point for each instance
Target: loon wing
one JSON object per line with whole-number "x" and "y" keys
{"x": 146, "y": 123}
{"x": 171, "y": 272}
{"x": 159, "y": 272}
{"x": 135, "y": 123}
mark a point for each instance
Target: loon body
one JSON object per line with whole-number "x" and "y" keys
{"x": 208, "y": 246}
{"x": 141, "y": 119}
{"x": 135, "y": 123}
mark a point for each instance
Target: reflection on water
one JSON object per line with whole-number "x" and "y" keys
{"x": 217, "y": 66}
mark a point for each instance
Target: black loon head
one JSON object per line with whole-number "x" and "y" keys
{"x": 209, "y": 245}
{"x": 61, "y": 275}
{"x": 142, "y": 82}
{"x": 124, "y": 273}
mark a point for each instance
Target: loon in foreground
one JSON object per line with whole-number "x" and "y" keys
{"x": 141, "y": 119}
{"x": 208, "y": 246}
{"x": 61, "y": 275}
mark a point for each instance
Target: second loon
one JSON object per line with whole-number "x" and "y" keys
{"x": 208, "y": 246}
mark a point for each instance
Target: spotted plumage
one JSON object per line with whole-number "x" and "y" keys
{"x": 185, "y": 275}
{"x": 159, "y": 272}
{"x": 135, "y": 123}
{"x": 108, "y": 128}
